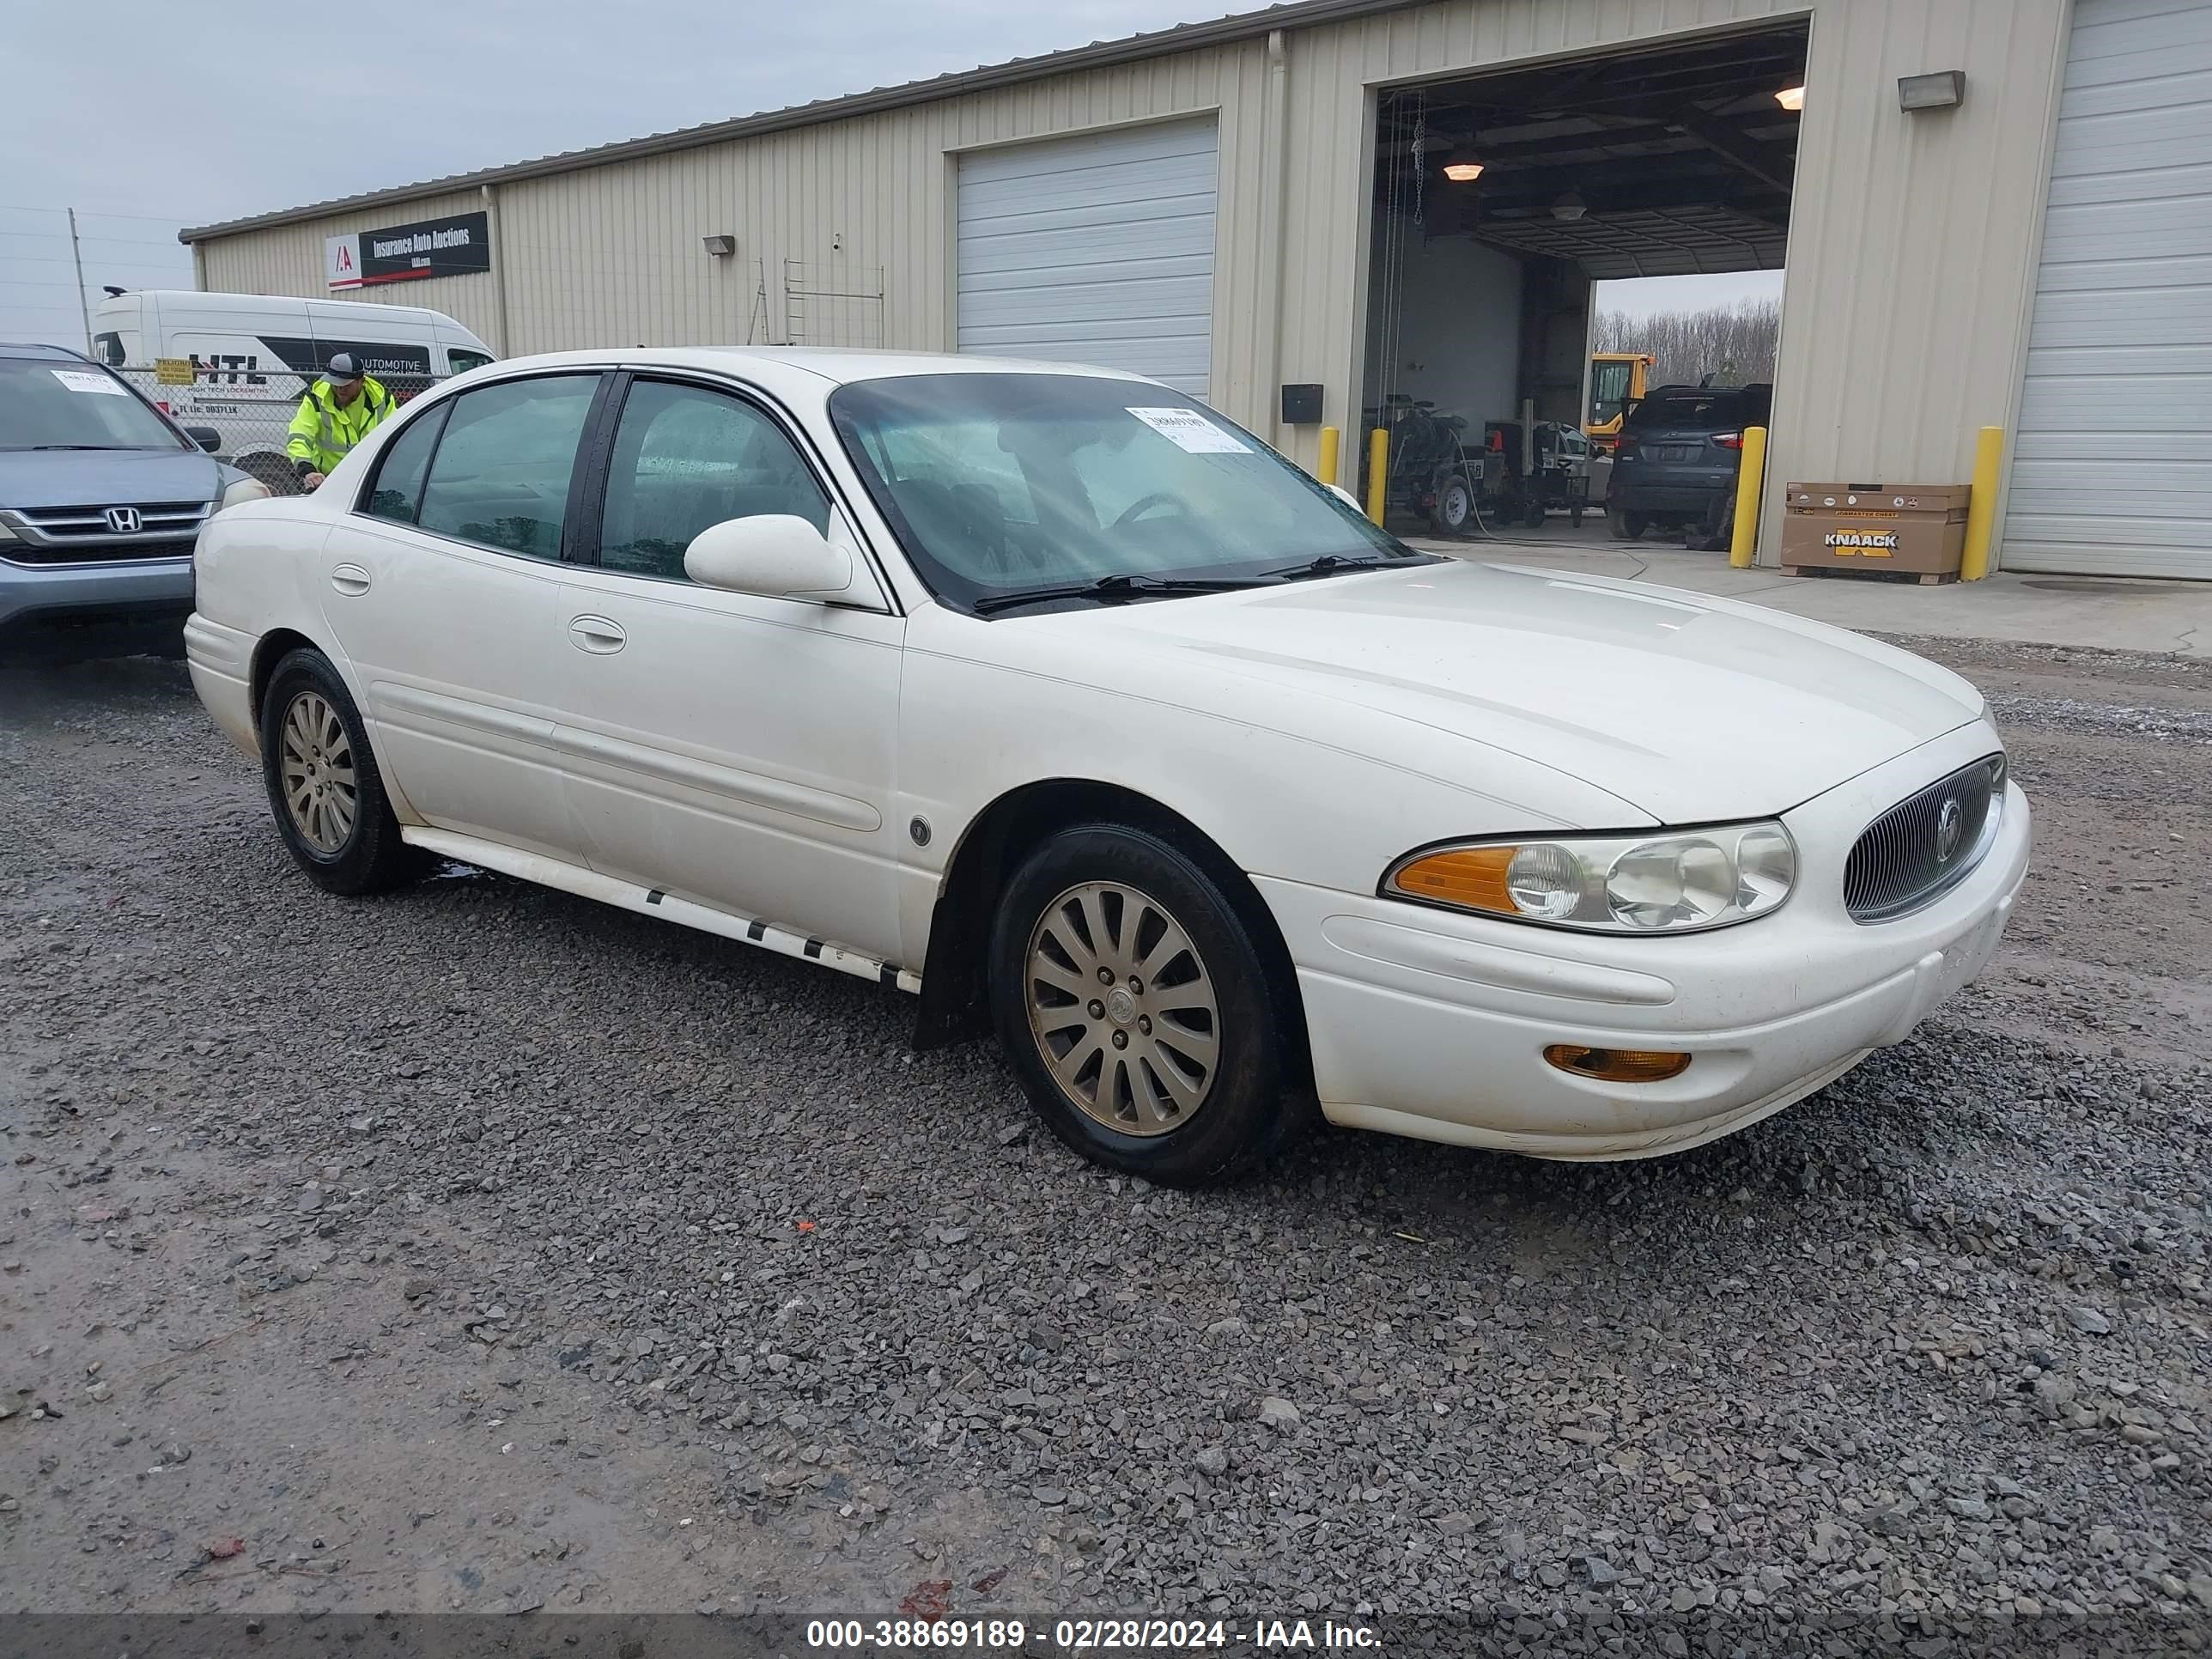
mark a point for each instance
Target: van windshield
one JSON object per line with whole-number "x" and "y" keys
{"x": 51, "y": 403}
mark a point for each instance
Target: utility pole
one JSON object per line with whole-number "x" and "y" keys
{"x": 76, "y": 258}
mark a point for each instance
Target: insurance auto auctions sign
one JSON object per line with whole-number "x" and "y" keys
{"x": 404, "y": 253}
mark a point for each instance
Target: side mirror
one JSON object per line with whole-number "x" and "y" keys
{"x": 777, "y": 555}
{"x": 205, "y": 436}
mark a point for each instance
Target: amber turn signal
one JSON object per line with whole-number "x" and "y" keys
{"x": 1618, "y": 1065}
{"x": 1471, "y": 877}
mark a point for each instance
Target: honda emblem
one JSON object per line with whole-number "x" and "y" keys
{"x": 123, "y": 520}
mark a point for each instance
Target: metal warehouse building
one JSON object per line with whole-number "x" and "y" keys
{"x": 1992, "y": 212}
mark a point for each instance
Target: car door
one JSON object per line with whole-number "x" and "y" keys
{"x": 444, "y": 589}
{"x": 726, "y": 747}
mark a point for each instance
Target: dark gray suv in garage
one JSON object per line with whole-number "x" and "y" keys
{"x": 1676, "y": 464}
{"x": 101, "y": 498}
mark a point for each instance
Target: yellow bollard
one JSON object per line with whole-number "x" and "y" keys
{"x": 1378, "y": 471}
{"x": 1982, "y": 506}
{"x": 1327, "y": 472}
{"x": 1750, "y": 477}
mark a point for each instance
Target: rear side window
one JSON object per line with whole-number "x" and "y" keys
{"x": 397, "y": 493}
{"x": 501, "y": 472}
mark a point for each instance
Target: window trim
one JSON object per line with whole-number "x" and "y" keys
{"x": 599, "y": 456}
{"x": 601, "y": 373}
{"x": 436, "y": 415}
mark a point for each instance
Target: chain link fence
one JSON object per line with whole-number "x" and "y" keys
{"x": 250, "y": 411}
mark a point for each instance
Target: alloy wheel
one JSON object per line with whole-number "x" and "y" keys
{"x": 1123, "y": 1009}
{"x": 321, "y": 790}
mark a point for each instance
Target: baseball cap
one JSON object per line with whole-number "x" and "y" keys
{"x": 343, "y": 367}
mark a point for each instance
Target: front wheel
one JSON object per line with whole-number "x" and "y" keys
{"x": 1131, "y": 1000}
{"x": 324, "y": 786}
{"x": 1625, "y": 526}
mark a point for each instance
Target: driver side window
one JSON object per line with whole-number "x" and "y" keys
{"x": 685, "y": 457}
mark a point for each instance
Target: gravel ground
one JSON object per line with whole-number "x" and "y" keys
{"x": 481, "y": 1248}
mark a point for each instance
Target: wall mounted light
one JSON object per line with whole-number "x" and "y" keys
{"x": 1569, "y": 208}
{"x": 1463, "y": 169}
{"x": 1942, "y": 90}
{"x": 1791, "y": 99}
{"x": 720, "y": 246}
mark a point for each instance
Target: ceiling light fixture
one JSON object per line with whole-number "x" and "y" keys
{"x": 1463, "y": 169}
{"x": 1569, "y": 208}
{"x": 1791, "y": 99}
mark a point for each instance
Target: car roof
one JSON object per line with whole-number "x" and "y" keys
{"x": 838, "y": 365}
{"x": 12, "y": 349}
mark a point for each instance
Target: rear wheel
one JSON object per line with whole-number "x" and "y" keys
{"x": 1135, "y": 1008}
{"x": 324, "y": 788}
{"x": 1625, "y": 526}
{"x": 1720, "y": 526}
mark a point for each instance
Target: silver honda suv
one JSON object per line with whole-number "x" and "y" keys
{"x": 101, "y": 498}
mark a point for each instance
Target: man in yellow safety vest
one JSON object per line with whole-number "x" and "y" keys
{"x": 339, "y": 410}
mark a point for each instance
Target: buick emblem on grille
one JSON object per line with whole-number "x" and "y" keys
{"x": 123, "y": 520}
{"x": 1950, "y": 818}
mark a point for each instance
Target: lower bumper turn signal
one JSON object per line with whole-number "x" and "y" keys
{"x": 1617, "y": 1065}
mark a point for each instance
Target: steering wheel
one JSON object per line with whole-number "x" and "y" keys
{"x": 1143, "y": 505}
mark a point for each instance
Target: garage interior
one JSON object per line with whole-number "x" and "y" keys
{"x": 1650, "y": 164}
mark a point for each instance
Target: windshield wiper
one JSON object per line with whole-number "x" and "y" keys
{"x": 83, "y": 445}
{"x": 1329, "y": 564}
{"x": 1112, "y": 587}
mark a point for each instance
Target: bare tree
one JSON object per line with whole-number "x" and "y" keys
{"x": 1735, "y": 343}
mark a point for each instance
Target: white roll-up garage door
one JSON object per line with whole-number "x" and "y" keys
{"x": 2113, "y": 471}
{"x": 1093, "y": 250}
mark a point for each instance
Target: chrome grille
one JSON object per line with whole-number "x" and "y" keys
{"x": 58, "y": 523}
{"x": 1924, "y": 845}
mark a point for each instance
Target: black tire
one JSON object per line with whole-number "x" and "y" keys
{"x": 1241, "y": 1114}
{"x": 1719, "y": 529}
{"x": 274, "y": 470}
{"x": 1452, "y": 514}
{"x": 1625, "y": 526}
{"x": 368, "y": 855}
{"x": 1575, "y": 517}
{"x": 1537, "y": 512}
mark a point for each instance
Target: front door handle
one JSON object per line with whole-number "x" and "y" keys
{"x": 350, "y": 580}
{"x": 597, "y": 635}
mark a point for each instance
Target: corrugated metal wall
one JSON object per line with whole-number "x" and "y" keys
{"x": 1912, "y": 252}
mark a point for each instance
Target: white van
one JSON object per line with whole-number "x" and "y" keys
{"x": 253, "y": 354}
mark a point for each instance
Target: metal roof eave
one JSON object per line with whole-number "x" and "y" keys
{"x": 1184, "y": 37}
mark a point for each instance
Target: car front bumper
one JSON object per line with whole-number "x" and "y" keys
{"x": 1432, "y": 1023}
{"x": 93, "y": 610}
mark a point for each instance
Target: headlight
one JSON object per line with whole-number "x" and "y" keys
{"x": 1662, "y": 882}
{"x": 246, "y": 489}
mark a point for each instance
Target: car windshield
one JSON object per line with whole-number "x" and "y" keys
{"x": 1004, "y": 483}
{"x": 60, "y": 404}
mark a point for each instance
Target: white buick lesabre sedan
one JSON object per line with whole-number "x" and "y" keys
{"x": 1048, "y": 693}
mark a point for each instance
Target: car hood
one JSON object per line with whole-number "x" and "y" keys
{"x": 108, "y": 477}
{"x": 1690, "y": 709}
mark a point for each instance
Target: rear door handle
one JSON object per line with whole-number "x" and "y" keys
{"x": 350, "y": 580}
{"x": 598, "y": 634}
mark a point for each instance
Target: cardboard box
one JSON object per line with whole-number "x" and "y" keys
{"x": 1917, "y": 530}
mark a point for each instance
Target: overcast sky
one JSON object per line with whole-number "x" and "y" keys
{"x": 146, "y": 115}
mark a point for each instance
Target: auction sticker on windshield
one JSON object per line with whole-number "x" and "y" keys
{"x": 78, "y": 380}
{"x": 1187, "y": 428}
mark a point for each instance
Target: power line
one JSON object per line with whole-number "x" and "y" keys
{"x": 150, "y": 218}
